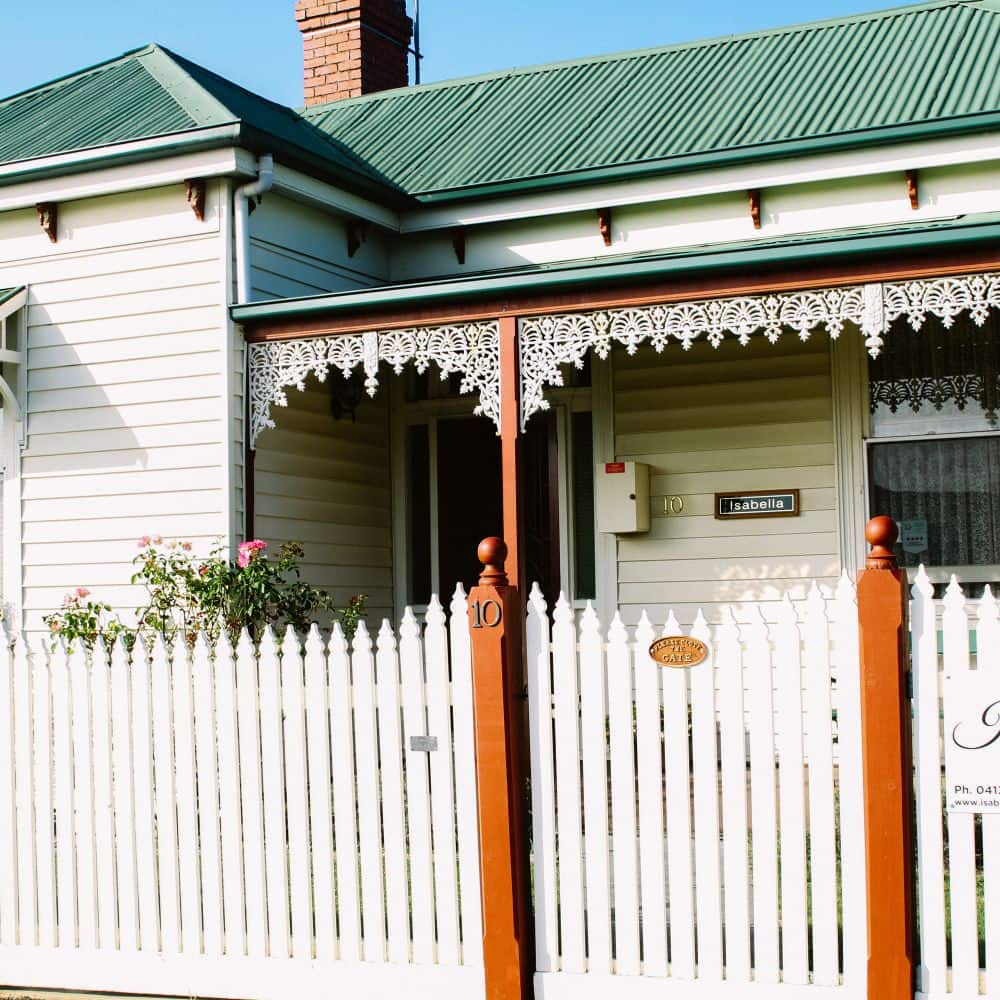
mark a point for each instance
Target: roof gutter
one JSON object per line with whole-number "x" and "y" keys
{"x": 617, "y": 272}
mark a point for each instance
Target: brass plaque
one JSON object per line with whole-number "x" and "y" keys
{"x": 678, "y": 651}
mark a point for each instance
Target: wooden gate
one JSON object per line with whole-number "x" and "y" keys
{"x": 698, "y": 832}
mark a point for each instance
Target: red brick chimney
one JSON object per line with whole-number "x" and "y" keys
{"x": 353, "y": 47}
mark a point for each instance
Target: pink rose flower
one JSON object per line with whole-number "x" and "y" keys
{"x": 144, "y": 542}
{"x": 248, "y": 552}
{"x": 82, "y": 592}
{"x": 203, "y": 570}
{"x": 186, "y": 546}
{"x": 157, "y": 539}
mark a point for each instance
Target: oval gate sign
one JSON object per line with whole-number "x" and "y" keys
{"x": 678, "y": 651}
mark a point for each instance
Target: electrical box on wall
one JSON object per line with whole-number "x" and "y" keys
{"x": 622, "y": 497}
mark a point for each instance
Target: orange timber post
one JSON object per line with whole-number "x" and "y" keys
{"x": 497, "y": 685}
{"x": 887, "y": 763}
{"x": 510, "y": 446}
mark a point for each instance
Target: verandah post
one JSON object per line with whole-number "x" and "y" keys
{"x": 510, "y": 445}
{"x": 887, "y": 764}
{"x": 495, "y": 620}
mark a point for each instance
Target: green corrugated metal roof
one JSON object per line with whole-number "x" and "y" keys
{"x": 152, "y": 92}
{"x": 851, "y": 78}
{"x": 906, "y": 73}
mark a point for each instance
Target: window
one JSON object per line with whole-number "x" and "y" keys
{"x": 934, "y": 456}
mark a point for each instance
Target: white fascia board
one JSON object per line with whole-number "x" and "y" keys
{"x": 131, "y": 177}
{"x": 800, "y": 170}
{"x": 303, "y": 188}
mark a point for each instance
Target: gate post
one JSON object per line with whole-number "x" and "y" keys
{"x": 497, "y": 686}
{"x": 887, "y": 763}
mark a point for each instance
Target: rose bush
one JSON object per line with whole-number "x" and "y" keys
{"x": 188, "y": 594}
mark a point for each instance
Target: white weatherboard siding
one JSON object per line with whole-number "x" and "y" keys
{"x": 297, "y": 250}
{"x": 126, "y": 397}
{"x": 708, "y": 421}
{"x": 325, "y": 483}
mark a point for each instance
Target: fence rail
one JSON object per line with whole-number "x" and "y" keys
{"x": 249, "y": 822}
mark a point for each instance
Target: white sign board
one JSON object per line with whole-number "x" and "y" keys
{"x": 972, "y": 741}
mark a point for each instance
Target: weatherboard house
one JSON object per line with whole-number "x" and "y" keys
{"x": 605, "y": 308}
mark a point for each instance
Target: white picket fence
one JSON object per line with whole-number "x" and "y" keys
{"x": 248, "y": 823}
{"x": 708, "y": 845}
{"x": 954, "y": 878}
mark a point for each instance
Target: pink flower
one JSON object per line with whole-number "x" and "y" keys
{"x": 144, "y": 542}
{"x": 53, "y": 626}
{"x": 248, "y": 552}
{"x": 157, "y": 539}
{"x": 203, "y": 569}
{"x": 82, "y": 592}
{"x": 186, "y": 546}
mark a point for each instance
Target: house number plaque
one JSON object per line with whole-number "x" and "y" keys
{"x": 486, "y": 614}
{"x": 678, "y": 651}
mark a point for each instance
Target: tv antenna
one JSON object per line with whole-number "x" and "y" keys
{"x": 416, "y": 42}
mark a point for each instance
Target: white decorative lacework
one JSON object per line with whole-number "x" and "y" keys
{"x": 548, "y": 342}
{"x": 469, "y": 349}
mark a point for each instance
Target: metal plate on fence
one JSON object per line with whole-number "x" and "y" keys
{"x": 679, "y": 651}
{"x": 423, "y": 744}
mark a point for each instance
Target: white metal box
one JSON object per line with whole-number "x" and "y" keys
{"x": 622, "y": 497}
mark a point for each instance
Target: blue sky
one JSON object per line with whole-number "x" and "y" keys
{"x": 256, "y": 42}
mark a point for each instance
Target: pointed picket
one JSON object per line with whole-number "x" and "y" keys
{"x": 145, "y": 818}
{"x": 104, "y": 819}
{"x": 763, "y": 798}
{"x": 296, "y": 795}
{"x": 248, "y": 674}
{"x": 621, "y": 707}
{"x": 791, "y": 787}
{"x": 467, "y": 819}
{"x": 961, "y": 826}
{"x": 65, "y": 820}
{"x": 206, "y": 754}
{"x": 166, "y": 798}
{"x": 24, "y": 784}
{"x": 729, "y": 669}
{"x": 680, "y": 873}
{"x": 649, "y": 755}
{"x": 344, "y": 799}
{"x": 988, "y": 658}
{"x": 442, "y": 788}
{"x": 121, "y": 737}
{"x": 418, "y": 819}
{"x": 704, "y": 747}
{"x": 566, "y": 698}
{"x": 369, "y": 823}
{"x": 320, "y": 796}
{"x": 850, "y": 784}
{"x": 930, "y": 837}
{"x": 542, "y": 783}
{"x": 44, "y": 840}
{"x": 272, "y": 758}
{"x": 230, "y": 819}
{"x": 187, "y": 802}
{"x": 83, "y": 800}
{"x": 593, "y": 730}
{"x": 8, "y": 814}
{"x": 397, "y": 896}
{"x": 822, "y": 818}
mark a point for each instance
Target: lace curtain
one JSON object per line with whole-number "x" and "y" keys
{"x": 937, "y": 379}
{"x": 942, "y": 493}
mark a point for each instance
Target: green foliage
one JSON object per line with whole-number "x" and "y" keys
{"x": 188, "y": 594}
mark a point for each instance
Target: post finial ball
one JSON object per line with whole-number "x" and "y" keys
{"x": 882, "y": 531}
{"x": 881, "y": 534}
{"x": 492, "y": 554}
{"x": 492, "y": 551}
